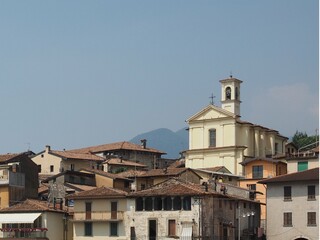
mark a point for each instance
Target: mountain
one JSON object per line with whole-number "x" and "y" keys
{"x": 165, "y": 140}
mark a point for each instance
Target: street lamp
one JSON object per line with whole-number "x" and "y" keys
{"x": 247, "y": 214}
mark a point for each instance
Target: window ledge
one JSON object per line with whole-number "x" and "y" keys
{"x": 287, "y": 200}
{"x": 287, "y": 226}
{"x": 312, "y": 225}
{"x": 311, "y": 199}
{"x": 170, "y": 236}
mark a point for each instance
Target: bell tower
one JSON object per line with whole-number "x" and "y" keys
{"x": 230, "y": 95}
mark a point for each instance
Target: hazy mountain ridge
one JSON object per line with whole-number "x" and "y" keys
{"x": 165, "y": 140}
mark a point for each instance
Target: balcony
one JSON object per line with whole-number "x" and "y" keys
{"x": 98, "y": 216}
{"x": 24, "y": 233}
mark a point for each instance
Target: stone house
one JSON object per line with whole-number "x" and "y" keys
{"x": 169, "y": 210}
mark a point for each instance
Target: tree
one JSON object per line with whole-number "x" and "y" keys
{"x": 303, "y": 141}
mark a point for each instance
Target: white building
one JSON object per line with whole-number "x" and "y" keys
{"x": 293, "y": 206}
{"x": 218, "y": 137}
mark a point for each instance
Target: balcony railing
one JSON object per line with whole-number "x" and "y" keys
{"x": 24, "y": 233}
{"x": 98, "y": 216}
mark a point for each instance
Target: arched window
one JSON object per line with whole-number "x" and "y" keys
{"x": 228, "y": 93}
{"x": 212, "y": 137}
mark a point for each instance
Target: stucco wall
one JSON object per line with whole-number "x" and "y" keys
{"x": 46, "y": 160}
{"x": 299, "y": 206}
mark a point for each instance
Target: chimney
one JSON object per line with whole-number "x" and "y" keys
{"x": 47, "y": 148}
{"x": 143, "y": 143}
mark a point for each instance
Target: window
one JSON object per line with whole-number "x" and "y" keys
{"x": 312, "y": 219}
{"x": 287, "y": 193}
{"x": 39, "y": 168}
{"x": 113, "y": 229}
{"x": 172, "y": 228}
{"x": 287, "y": 219}
{"x": 51, "y": 168}
{"x": 88, "y": 229}
{"x": 252, "y": 187}
{"x": 72, "y": 167}
{"x": 88, "y": 210}
{"x": 311, "y": 192}
{"x": 257, "y": 171}
{"x": 302, "y": 166}
{"x": 212, "y": 137}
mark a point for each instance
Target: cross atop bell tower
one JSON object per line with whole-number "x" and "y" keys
{"x": 230, "y": 95}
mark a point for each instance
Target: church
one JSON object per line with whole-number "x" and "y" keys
{"x": 218, "y": 136}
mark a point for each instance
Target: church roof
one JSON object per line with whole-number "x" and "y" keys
{"x": 210, "y": 107}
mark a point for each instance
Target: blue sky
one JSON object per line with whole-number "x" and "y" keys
{"x": 80, "y": 73}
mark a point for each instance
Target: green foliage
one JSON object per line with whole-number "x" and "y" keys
{"x": 303, "y": 141}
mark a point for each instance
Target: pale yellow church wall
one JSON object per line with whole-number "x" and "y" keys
{"x": 46, "y": 160}
{"x": 199, "y": 133}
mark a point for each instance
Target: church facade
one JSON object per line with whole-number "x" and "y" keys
{"x": 218, "y": 136}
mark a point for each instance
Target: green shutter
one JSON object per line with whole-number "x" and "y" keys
{"x": 302, "y": 166}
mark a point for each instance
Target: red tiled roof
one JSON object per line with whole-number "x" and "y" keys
{"x": 30, "y": 205}
{"x": 171, "y": 187}
{"x": 164, "y": 172}
{"x": 131, "y": 173}
{"x": 78, "y": 156}
{"x": 307, "y": 175}
{"x": 177, "y": 164}
{"x": 116, "y": 146}
{"x": 9, "y": 156}
{"x": 119, "y": 161}
{"x": 103, "y": 173}
{"x": 101, "y": 192}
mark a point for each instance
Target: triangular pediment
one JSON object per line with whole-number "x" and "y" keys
{"x": 211, "y": 112}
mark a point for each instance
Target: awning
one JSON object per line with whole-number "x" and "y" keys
{"x": 18, "y": 217}
{"x": 186, "y": 233}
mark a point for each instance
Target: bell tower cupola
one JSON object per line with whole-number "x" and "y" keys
{"x": 230, "y": 95}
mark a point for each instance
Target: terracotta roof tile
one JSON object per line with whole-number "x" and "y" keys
{"x": 103, "y": 173}
{"x": 164, "y": 172}
{"x": 30, "y": 205}
{"x": 171, "y": 187}
{"x": 307, "y": 175}
{"x": 78, "y": 156}
{"x": 177, "y": 164}
{"x": 131, "y": 173}
{"x": 101, "y": 192}
{"x": 119, "y": 161}
{"x": 116, "y": 146}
